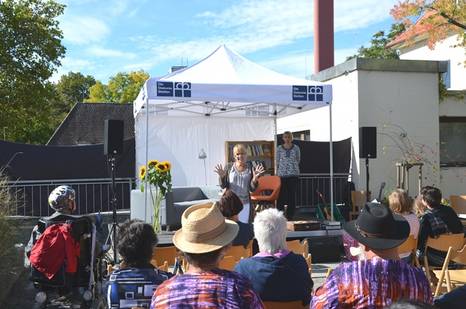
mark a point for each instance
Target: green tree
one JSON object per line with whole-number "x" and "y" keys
{"x": 121, "y": 88}
{"x": 73, "y": 88}
{"x": 379, "y": 41}
{"x": 30, "y": 52}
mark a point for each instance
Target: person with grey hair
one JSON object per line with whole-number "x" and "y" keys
{"x": 276, "y": 273}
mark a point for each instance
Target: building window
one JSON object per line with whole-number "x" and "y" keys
{"x": 446, "y": 76}
{"x": 452, "y": 141}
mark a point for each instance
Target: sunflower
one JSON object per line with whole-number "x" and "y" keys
{"x": 161, "y": 167}
{"x": 142, "y": 172}
{"x": 167, "y": 165}
{"x": 152, "y": 163}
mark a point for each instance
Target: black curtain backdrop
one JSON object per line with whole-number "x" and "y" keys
{"x": 38, "y": 162}
{"x": 315, "y": 156}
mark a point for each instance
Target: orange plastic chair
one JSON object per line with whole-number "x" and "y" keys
{"x": 267, "y": 183}
{"x": 239, "y": 251}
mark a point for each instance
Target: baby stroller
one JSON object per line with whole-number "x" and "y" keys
{"x": 61, "y": 289}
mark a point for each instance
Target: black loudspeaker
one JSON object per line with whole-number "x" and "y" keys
{"x": 113, "y": 137}
{"x": 368, "y": 142}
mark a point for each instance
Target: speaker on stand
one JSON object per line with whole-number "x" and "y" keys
{"x": 113, "y": 147}
{"x": 367, "y": 149}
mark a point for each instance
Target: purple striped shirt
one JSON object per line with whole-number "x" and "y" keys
{"x": 373, "y": 283}
{"x": 215, "y": 289}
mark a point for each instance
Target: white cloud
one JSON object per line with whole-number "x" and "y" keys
{"x": 72, "y": 64}
{"x": 253, "y": 25}
{"x": 83, "y": 29}
{"x": 107, "y": 52}
{"x": 301, "y": 63}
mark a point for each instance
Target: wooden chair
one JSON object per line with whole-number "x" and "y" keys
{"x": 297, "y": 304}
{"x": 162, "y": 254}
{"x": 358, "y": 200}
{"x": 301, "y": 247}
{"x": 266, "y": 183}
{"x": 228, "y": 262}
{"x": 458, "y": 203}
{"x": 410, "y": 246}
{"x": 458, "y": 276}
{"x": 442, "y": 243}
{"x": 239, "y": 252}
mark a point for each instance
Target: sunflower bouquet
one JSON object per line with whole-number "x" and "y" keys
{"x": 158, "y": 176}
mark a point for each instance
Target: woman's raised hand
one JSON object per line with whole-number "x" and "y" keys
{"x": 220, "y": 170}
{"x": 258, "y": 171}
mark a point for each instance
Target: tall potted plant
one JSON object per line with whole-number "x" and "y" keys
{"x": 158, "y": 177}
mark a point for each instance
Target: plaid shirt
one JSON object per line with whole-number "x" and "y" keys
{"x": 215, "y": 289}
{"x": 373, "y": 283}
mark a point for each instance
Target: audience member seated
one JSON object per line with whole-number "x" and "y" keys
{"x": 381, "y": 277}
{"x": 230, "y": 205}
{"x": 136, "y": 280}
{"x": 276, "y": 273}
{"x": 204, "y": 238}
{"x": 400, "y": 203}
{"x": 62, "y": 201}
{"x": 436, "y": 220}
{"x": 53, "y": 248}
{"x": 454, "y": 299}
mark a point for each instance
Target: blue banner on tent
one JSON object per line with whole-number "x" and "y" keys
{"x": 299, "y": 93}
{"x": 164, "y": 89}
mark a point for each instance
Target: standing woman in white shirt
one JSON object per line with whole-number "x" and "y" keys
{"x": 288, "y": 158}
{"x": 241, "y": 178}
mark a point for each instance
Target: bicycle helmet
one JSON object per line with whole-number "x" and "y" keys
{"x": 60, "y": 196}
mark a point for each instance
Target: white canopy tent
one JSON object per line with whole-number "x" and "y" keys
{"x": 220, "y": 90}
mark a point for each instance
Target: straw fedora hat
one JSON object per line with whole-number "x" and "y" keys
{"x": 204, "y": 229}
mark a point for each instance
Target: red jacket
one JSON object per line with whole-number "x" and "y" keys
{"x": 53, "y": 248}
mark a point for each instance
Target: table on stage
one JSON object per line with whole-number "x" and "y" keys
{"x": 165, "y": 238}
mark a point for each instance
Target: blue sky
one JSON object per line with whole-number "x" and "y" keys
{"x": 105, "y": 37}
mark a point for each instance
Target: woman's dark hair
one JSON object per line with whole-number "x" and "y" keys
{"x": 202, "y": 259}
{"x": 230, "y": 204}
{"x": 432, "y": 196}
{"x": 136, "y": 242}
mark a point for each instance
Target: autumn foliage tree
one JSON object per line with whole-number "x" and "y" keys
{"x": 438, "y": 19}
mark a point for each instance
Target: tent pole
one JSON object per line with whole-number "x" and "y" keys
{"x": 275, "y": 141}
{"x": 331, "y": 161}
{"x": 147, "y": 157}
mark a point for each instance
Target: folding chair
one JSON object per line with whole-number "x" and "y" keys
{"x": 442, "y": 243}
{"x": 457, "y": 275}
{"x": 297, "y": 304}
{"x": 239, "y": 252}
{"x": 301, "y": 247}
{"x": 228, "y": 263}
{"x": 458, "y": 203}
{"x": 358, "y": 200}
{"x": 164, "y": 254}
{"x": 410, "y": 246}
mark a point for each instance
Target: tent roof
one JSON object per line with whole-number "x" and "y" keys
{"x": 227, "y": 83}
{"x": 225, "y": 66}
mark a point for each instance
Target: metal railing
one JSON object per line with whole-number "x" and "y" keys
{"x": 310, "y": 184}
{"x": 30, "y": 197}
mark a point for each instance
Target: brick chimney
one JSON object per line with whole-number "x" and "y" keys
{"x": 323, "y": 35}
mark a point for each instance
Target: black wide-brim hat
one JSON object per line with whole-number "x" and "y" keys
{"x": 378, "y": 228}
